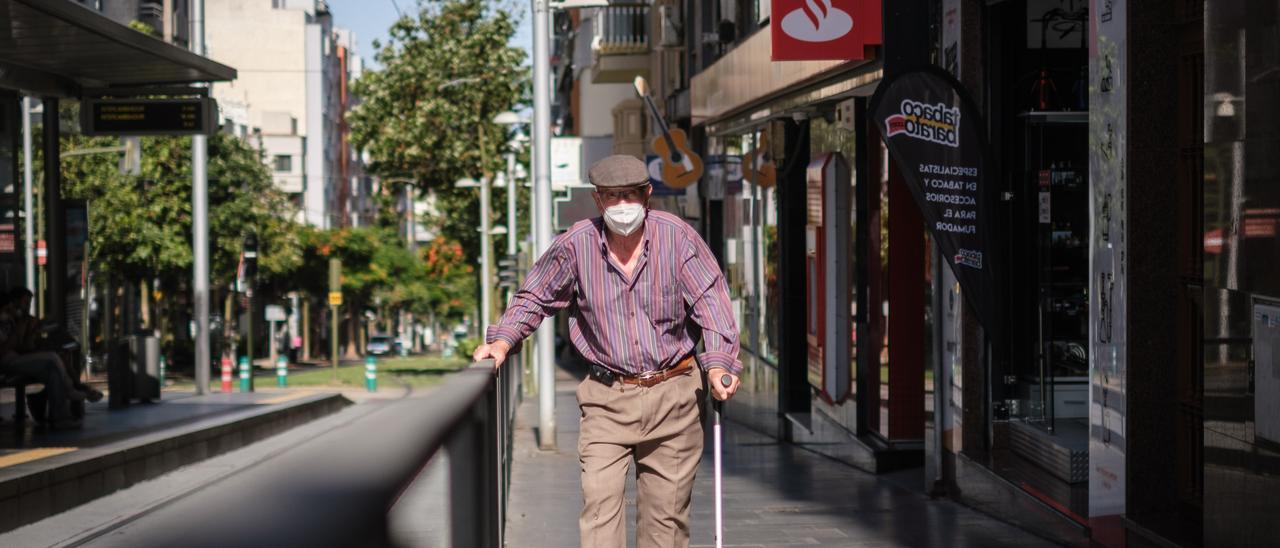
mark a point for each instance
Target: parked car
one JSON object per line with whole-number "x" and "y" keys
{"x": 380, "y": 345}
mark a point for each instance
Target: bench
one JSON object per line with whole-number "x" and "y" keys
{"x": 19, "y": 386}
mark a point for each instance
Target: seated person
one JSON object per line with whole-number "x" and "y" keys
{"x": 38, "y": 367}
{"x": 28, "y": 331}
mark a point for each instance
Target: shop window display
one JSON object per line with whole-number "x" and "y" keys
{"x": 826, "y": 138}
{"x": 1039, "y": 393}
{"x": 1241, "y": 300}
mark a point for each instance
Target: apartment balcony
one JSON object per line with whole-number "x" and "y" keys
{"x": 620, "y": 43}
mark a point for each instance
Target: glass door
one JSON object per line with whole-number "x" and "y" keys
{"x": 1054, "y": 386}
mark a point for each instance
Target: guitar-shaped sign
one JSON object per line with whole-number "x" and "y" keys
{"x": 758, "y": 165}
{"x": 681, "y": 167}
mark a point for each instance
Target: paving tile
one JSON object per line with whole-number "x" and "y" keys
{"x": 774, "y": 494}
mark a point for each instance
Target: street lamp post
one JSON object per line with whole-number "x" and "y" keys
{"x": 542, "y": 199}
{"x": 505, "y": 118}
{"x": 486, "y": 248}
{"x": 512, "y": 188}
{"x": 407, "y": 322}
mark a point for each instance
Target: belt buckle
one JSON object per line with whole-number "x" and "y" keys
{"x": 650, "y": 378}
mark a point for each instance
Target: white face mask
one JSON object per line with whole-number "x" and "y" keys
{"x": 624, "y": 219}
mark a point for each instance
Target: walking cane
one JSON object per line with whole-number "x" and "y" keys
{"x": 717, "y": 405}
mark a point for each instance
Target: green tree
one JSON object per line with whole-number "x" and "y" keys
{"x": 445, "y": 74}
{"x": 140, "y": 225}
{"x": 427, "y": 114}
{"x": 379, "y": 273}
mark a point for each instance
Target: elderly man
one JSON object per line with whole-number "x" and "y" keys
{"x": 642, "y": 288}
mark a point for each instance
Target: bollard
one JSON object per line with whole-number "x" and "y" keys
{"x": 162, "y": 372}
{"x": 244, "y": 374}
{"x": 282, "y": 372}
{"x": 371, "y": 373}
{"x": 226, "y": 374}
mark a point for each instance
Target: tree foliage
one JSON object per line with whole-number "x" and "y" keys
{"x": 445, "y": 75}
{"x": 140, "y": 226}
{"x": 427, "y": 114}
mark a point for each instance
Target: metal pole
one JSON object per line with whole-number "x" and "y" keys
{"x": 512, "y": 188}
{"x": 28, "y": 198}
{"x": 54, "y": 220}
{"x": 306, "y": 328}
{"x": 486, "y": 239}
{"x": 412, "y": 237}
{"x": 248, "y": 330}
{"x": 333, "y": 339}
{"x": 542, "y": 197}
{"x": 410, "y": 195}
{"x": 271, "y": 343}
{"x": 486, "y": 259}
{"x": 200, "y": 224}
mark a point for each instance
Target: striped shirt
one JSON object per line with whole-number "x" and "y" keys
{"x": 647, "y": 322}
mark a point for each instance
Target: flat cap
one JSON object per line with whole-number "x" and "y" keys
{"x": 619, "y": 170}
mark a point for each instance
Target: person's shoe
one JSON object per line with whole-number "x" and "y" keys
{"x": 93, "y": 395}
{"x": 37, "y": 406}
{"x": 75, "y": 395}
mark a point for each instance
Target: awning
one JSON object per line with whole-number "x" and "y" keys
{"x": 60, "y": 47}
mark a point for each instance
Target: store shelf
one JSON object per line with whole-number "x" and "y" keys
{"x": 1056, "y": 116}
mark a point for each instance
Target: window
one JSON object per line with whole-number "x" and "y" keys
{"x": 283, "y": 163}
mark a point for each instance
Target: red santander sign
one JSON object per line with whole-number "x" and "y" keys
{"x": 815, "y": 30}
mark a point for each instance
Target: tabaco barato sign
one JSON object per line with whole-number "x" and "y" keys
{"x": 813, "y": 30}
{"x": 933, "y": 132}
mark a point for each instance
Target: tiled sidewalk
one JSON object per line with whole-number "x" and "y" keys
{"x": 774, "y": 495}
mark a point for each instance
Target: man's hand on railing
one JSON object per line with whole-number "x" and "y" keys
{"x": 496, "y": 350}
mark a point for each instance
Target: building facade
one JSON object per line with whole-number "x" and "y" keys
{"x": 291, "y": 98}
{"x": 1132, "y": 402}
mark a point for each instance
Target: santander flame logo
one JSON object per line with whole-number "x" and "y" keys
{"x": 817, "y": 21}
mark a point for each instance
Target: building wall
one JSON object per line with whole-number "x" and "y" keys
{"x": 290, "y": 181}
{"x": 316, "y": 195}
{"x": 271, "y": 72}
{"x": 301, "y": 73}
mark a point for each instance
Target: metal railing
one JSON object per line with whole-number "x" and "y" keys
{"x": 621, "y": 29}
{"x": 339, "y": 488}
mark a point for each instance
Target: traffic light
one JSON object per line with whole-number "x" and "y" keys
{"x": 508, "y": 273}
{"x": 248, "y": 262}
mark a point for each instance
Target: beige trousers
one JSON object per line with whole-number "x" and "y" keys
{"x": 661, "y": 427}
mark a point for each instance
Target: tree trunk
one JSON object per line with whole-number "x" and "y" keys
{"x": 144, "y": 305}
{"x": 353, "y": 328}
{"x": 306, "y": 326}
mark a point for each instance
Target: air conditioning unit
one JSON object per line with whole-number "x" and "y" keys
{"x": 672, "y": 28}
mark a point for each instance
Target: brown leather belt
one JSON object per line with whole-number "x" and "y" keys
{"x": 650, "y": 378}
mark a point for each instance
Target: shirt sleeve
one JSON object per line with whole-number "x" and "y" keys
{"x": 547, "y": 289}
{"x": 706, "y": 295}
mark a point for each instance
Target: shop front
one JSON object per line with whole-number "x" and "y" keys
{"x": 808, "y": 213}
{"x": 1130, "y": 404}
{"x": 1013, "y": 411}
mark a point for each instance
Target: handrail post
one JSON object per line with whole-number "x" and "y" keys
{"x": 492, "y": 458}
{"x": 478, "y": 469}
